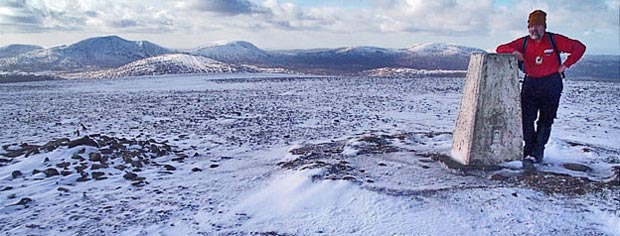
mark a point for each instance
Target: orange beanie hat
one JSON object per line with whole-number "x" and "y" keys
{"x": 537, "y": 17}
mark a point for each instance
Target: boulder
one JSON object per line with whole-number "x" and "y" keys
{"x": 577, "y": 167}
{"x": 49, "y": 172}
{"x": 85, "y": 141}
{"x": 16, "y": 174}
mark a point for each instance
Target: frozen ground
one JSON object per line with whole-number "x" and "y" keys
{"x": 282, "y": 155}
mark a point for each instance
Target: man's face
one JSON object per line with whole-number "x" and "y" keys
{"x": 536, "y": 31}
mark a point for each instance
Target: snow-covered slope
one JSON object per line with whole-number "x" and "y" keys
{"x": 16, "y": 49}
{"x": 247, "y": 155}
{"x": 408, "y": 72}
{"x": 167, "y": 64}
{"x": 441, "y": 49}
{"x": 233, "y": 52}
{"x": 89, "y": 54}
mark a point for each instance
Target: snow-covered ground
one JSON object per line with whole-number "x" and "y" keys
{"x": 285, "y": 155}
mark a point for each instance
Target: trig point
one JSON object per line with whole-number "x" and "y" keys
{"x": 488, "y": 128}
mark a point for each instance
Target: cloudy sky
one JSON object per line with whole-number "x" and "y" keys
{"x": 289, "y": 24}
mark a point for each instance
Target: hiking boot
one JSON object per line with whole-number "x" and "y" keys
{"x": 542, "y": 136}
{"x": 528, "y": 163}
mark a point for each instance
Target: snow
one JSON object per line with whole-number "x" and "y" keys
{"x": 281, "y": 154}
{"x": 441, "y": 49}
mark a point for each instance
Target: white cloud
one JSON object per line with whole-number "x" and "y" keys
{"x": 85, "y": 15}
{"x": 276, "y": 20}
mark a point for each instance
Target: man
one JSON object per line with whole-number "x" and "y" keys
{"x": 542, "y": 86}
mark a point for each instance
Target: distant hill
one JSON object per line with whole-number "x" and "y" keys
{"x": 89, "y": 54}
{"x": 167, "y": 64}
{"x": 16, "y": 49}
{"x": 113, "y": 56}
{"x": 597, "y": 66}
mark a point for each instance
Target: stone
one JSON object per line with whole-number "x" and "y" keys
{"x": 16, "y": 174}
{"x": 488, "y": 128}
{"x": 62, "y": 189}
{"x": 63, "y": 164}
{"x": 196, "y": 169}
{"x": 498, "y": 177}
{"x": 577, "y": 167}
{"x": 83, "y": 177}
{"x": 94, "y": 156}
{"x": 130, "y": 176}
{"x": 98, "y": 166}
{"x": 214, "y": 166}
{"x": 77, "y": 157}
{"x": 24, "y": 201}
{"x": 84, "y": 141}
{"x": 49, "y": 172}
{"x": 97, "y": 175}
{"x": 7, "y": 188}
{"x": 170, "y": 167}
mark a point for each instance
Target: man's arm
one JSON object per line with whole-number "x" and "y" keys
{"x": 514, "y": 47}
{"x": 575, "y": 48}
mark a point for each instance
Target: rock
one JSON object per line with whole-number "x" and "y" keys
{"x": 16, "y": 174}
{"x": 97, "y": 175}
{"x": 83, "y": 178}
{"x": 65, "y": 172}
{"x": 32, "y": 151}
{"x": 62, "y": 189}
{"x": 120, "y": 167}
{"x": 63, "y": 164}
{"x": 130, "y": 176}
{"x": 77, "y": 157}
{"x": 11, "y": 196}
{"x": 35, "y": 171}
{"x": 14, "y": 153}
{"x": 349, "y": 178}
{"x": 49, "y": 172}
{"x": 498, "y": 177}
{"x": 51, "y": 145}
{"x": 196, "y": 169}
{"x": 179, "y": 158}
{"x": 85, "y": 141}
{"x": 104, "y": 159}
{"x": 577, "y": 167}
{"x": 98, "y": 166}
{"x": 155, "y": 150}
{"x": 169, "y": 167}
{"x": 214, "y": 166}
{"x": 106, "y": 151}
{"x": 94, "y": 156}
{"x": 24, "y": 201}
{"x": 7, "y": 188}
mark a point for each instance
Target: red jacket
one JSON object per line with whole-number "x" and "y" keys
{"x": 544, "y": 50}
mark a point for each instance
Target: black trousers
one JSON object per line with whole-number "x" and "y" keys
{"x": 540, "y": 98}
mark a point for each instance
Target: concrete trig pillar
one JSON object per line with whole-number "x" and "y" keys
{"x": 488, "y": 128}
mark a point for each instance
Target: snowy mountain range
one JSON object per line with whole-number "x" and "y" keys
{"x": 16, "y": 49}
{"x": 174, "y": 63}
{"x": 113, "y": 56}
{"x": 88, "y": 54}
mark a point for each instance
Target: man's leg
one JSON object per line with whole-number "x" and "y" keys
{"x": 548, "y": 111}
{"x": 529, "y": 113}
